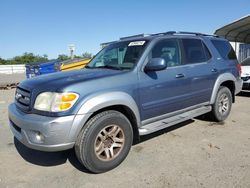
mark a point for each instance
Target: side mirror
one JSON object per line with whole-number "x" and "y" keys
{"x": 156, "y": 64}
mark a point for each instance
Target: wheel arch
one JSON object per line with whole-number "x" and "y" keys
{"x": 227, "y": 80}
{"x": 231, "y": 86}
{"x": 119, "y": 101}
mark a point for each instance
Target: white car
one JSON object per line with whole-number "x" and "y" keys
{"x": 245, "y": 73}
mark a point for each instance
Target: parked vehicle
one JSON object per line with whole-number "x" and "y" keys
{"x": 245, "y": 74}
{"x": 40, "y": 68}
{"x": 131, "y": 88}
{"x": 36, "y": 69}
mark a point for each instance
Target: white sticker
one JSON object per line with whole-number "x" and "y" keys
{"x": 136, "y": 43}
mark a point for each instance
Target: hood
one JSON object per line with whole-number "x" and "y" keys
{"x": 245, "y": 71}
{"x": 51, "y": 82}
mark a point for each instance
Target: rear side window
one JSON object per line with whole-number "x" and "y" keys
{"x": 225, "y": 49}
{"x": 195, "y": 51}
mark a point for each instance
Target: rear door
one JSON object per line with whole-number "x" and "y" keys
{"x": 201, "y": 69}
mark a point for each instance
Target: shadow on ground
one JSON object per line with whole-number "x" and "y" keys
{"x": 58, "y": 158}
{"x": 244, "y": 94}
{"x": 42, "y": 158}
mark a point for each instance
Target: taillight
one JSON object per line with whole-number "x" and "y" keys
{"x": 239, "y": 68}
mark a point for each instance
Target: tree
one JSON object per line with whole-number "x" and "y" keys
{"x": 32, "y": 58}
{"x": 2, "y": 61}
{"x": 45, "y": 56}
{"x": 25, "y": 58}
{"x": 87, "y": 55}
{"x": 63, "y": 57}
{"x": 29, "y": 58}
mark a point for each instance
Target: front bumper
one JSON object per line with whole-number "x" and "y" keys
{"x": 238, "y": 85}
{"x": 246, "y": 83}
{"x": 41, "y": 132}
{"x": 246, "y": 86}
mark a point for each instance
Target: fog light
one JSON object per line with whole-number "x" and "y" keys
{"x": 35, "y": 136}
{"x": 39, "y": 137}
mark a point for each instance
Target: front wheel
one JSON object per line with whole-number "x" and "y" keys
{"x": 104, "y": 142}
{"x": 222, "y": 106}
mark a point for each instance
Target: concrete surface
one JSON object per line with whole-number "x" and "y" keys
{"x": 196, "y": 153}
{"x": 11, "y": 78}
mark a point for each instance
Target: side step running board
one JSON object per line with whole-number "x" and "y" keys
{"x": 164, "y": 123}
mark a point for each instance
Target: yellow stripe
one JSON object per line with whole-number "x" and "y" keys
{"x": 75, "y": 65}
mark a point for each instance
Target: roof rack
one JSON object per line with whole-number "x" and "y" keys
{"x": 183, "y": 33}
{"x": 146, "y": 35}
{"x": 162, "y": 33}
{"x": 135, "y": 36}
{"x": 168, "y": 33}
{"x": 190, "y": 33}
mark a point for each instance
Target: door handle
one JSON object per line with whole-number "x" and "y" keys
{"x": 214, "y": 70}
{"x": 179, "y": 75}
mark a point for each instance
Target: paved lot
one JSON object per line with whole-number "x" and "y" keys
{"x": 10, "y": 78}
{"x": 196, "y": 153}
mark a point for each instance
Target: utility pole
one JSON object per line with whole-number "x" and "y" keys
{"x": 71, "y": 50}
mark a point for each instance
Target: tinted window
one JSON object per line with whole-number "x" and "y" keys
{"x": 168, "y": 50}
{"x": 224, "y": 48}
{"x": 195, "y": 51}
{"x": 207, "y": 53}
{"x": 246, "y": 62}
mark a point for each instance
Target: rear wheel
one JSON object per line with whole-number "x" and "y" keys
{"x": 222, "y": 106}
{"x": 104, "y": 142}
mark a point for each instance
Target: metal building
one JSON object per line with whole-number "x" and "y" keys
{"x": 239, "y": 33}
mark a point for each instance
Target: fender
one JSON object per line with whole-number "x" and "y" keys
{"x": 98, "y": 102}
{"x": 222, "y": 78}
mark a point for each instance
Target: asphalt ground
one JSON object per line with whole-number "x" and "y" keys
{"x": 196, "y": 153}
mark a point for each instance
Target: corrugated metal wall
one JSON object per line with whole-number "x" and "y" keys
{"x": 244, "y": 52}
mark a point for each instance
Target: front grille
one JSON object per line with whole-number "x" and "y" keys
{"x": 22, "y": 99}
{"x": 246, "y": 86}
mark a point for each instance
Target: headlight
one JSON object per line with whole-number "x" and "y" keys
{"x": 55, "y": 102}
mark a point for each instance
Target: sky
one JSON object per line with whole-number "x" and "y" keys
{"x": 50, "y": 26}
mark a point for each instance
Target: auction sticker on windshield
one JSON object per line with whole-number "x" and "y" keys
{"x": 136, "y": 43}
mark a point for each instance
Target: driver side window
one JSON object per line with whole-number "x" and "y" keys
{"x": 168, "y": 50}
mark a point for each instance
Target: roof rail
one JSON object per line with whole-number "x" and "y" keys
{"x": 135, "y": 36}
{"x": 164, "y": 33}
{"x": 168, "y": 33}
{"x": 188, "y": 33}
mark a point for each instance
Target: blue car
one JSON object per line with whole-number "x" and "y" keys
{"x": 40, "y": 68}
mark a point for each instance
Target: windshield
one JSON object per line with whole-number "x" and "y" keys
{"x": 120, "y": 55}
{"x": 246, "y": 62}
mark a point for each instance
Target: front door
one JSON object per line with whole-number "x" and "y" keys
{"x": 167, "y": 90}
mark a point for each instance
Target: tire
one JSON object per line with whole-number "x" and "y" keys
{"x": 222, "y": 106}
{"x": 104, "y": 142}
